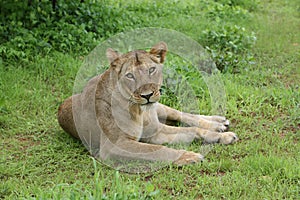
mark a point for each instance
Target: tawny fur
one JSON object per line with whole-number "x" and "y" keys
{"x": 117, "y": 116}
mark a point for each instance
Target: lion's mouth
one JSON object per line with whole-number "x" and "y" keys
{"x": 148, "y": 103}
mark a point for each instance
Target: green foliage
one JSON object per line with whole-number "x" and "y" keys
{"x": 76, "y": 27}
{"x": 230, "y": 47}
{"x": 250, "y": 5}
{"x": 26, "y": 30}
{"x": 219, "y": 11}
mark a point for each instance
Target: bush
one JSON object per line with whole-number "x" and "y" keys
{"x": 71, "y": 27}
{"x": 218, "y": 11}
{"x": 230, "y": 47}
{"x": 77, "y": 27}
{"x": 250, "y": 5}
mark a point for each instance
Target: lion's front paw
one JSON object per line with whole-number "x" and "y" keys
{"x": 218, "y": 118}
{"x": 188, "y": 158}
{"x": 214, "y": 123}
{"x": 228, "y": 138}
{"x": 222, "y": 121}
{"x": 217, "y": 126}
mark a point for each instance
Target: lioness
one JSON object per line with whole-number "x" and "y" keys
{"x": 117, "y": 116}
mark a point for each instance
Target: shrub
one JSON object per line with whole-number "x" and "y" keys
{"x": 76, "y": 27}
{"x": 230, "y": 47}
{"x": 250, "y": 5}
{"x": 218, "y": 11}
{"x": 72, "y": 27}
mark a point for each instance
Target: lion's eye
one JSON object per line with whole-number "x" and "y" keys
{"x": 151, "y": 70}
{"x": 130, "y": 76}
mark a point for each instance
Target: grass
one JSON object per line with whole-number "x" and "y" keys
{"x": 39, "y": 161}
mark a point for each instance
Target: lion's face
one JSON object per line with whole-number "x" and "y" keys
{"x": 139, "y": 73}
{"x": 140, "y": 78}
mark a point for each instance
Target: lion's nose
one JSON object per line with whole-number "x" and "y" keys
{"x": 147, "y": 96}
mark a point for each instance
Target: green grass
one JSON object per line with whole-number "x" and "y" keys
{"x": 39, "y": 161}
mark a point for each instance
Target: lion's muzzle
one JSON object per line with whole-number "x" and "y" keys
{"x": 148, "y": 93}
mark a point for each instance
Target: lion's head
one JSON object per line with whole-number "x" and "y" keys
{"x": 138, "y": 74}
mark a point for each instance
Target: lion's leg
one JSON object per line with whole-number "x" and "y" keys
{"x": 129, "y": 149}
{"x": 173, "y": 135}
{"x": 214, "y": 123}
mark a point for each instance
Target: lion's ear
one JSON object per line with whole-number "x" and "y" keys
{"x": 159, "y": 50}
{"x": 112, "y": 55}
